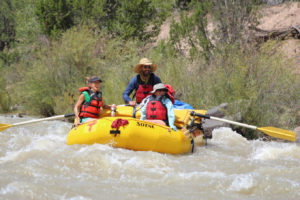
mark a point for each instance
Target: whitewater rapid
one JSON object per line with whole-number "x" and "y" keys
{"x": 36, "y": 163}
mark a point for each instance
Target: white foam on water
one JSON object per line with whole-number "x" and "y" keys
{"x": 243, "y": 183}
{"x": 275, "y": 150}
{"x": 76, "y": 198}
{"x": 18, "y": 189}
{"x": 230, "y": 167}
{"x": 10, "y": 188}
{"x": 38, "y": 143}
{"x": 198, "y": 174}
{"x": 11, "y": 156}
{"x": 227, "y": 136}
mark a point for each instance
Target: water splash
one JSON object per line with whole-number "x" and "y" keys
{"x": 36, "y": 163}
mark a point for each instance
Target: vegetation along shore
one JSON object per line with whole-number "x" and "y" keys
{"x": 211, "y": 52}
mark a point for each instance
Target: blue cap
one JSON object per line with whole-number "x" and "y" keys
{"x": 95, "y": 79}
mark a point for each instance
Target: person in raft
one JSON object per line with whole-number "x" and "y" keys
{"x": 90, "y": 102}
{"x": 158, "y": 108}
{"x": 142, "y": 83}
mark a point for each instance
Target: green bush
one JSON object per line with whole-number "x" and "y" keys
{"x": 132, "y": 18}
{"x": 26, "y": 23}
{"x": 59, "y": 68}
{"x": 258, "y": 85}
{"x": 4, "y": 97}
{"x": 120, "y": 58}
{"x": 7, "y": 23}
{"x": 126, "y": 19}
{"x": 55, "y": 16}
{"x": 50, "y": 85}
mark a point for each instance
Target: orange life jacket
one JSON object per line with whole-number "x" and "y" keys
{"x": 93, "y": 107}
{"x": 156, "y": 109}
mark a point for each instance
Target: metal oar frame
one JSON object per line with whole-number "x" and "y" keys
{"x": 193, "y": 125}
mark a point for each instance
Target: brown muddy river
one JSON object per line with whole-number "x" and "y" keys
{"x": 36, "y": 163}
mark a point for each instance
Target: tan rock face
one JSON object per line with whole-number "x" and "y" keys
{"x": 283, "y": 16}
{"x": 280, "y": 16}
{"x": 291, "y": 49}
{"x": 274, "y": 17}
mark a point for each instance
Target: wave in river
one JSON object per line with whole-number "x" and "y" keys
{"x": 36, "y": 163}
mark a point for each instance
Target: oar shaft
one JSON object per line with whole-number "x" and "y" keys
{"x": 224, "y": 120}
{"x": 271, "y": 131}
{"x": 39, "y": 120}
{"x": 43, "y": 119}
{"x": 234, "y": 123}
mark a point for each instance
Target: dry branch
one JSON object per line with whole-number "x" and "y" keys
{"x": 279, "y": 34}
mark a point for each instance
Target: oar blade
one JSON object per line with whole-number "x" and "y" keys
{"x": 278, "y": 133}
{"x": 4, "y": 126}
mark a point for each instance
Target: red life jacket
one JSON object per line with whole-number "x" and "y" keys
{"x": 156, "y": 109}
{"x": 93, "y": 107}
{"x": 142, "y": 92}
{"x": 171, "y": 93}
{"x": 144, "y": 89}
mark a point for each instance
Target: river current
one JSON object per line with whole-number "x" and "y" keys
{"x": 36, "y": 163}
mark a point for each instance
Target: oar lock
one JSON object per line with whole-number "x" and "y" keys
{"x": 192, "y": 126}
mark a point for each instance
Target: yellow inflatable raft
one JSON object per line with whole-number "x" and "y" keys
{"x": 182, "y": 117}
{"x": 136, "y": 135}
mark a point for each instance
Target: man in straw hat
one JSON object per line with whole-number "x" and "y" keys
{"x": 142, "y": 83}
{"x": 158, "y": 107}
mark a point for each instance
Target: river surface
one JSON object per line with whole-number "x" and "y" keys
{"x": 36, "y": 163}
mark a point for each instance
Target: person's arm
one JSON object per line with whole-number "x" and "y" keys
{"x": 108, "y": 106}
{"x": 130, "y": 87}
{"x": 144, "y": 111}
{"x": 77, "y": 107}
{"x": 104, "y": 106}
{"x": 171, "y": 113}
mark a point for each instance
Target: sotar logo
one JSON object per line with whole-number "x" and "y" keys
{"x": 144, "y": 125}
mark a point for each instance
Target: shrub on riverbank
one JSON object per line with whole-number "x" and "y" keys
{"x": 42, "y": 74}
{"x": 57, "y": 67}
{"x": 258, "y": 85}
{"x": 4, "y": 97}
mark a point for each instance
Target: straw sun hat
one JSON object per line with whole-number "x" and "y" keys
{"x": 144, "y": 61}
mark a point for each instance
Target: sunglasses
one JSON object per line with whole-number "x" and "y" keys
{"x": 147, "y": 66}
{"x": 164, "y": 90}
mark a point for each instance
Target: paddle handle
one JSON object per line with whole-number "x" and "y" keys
{"x": 44, "y": 119}
{"x": 224, "y": 120}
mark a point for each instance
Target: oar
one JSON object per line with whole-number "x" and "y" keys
{"x": 271, "y": 131}
{"x": 5, "y": 126}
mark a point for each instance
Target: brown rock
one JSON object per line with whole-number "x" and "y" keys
{"x": 209, "y": 125}
{"x": 297, "y": 131}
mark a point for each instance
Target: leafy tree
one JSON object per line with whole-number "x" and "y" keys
{"x": 54, "y": 16}
{"x": 132, "y": 18}
{"x": 86, "y": 10}
{"x": 127, "y": 18}
{"x": 7, "y": 31}
{"x": 182, "y": 4}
